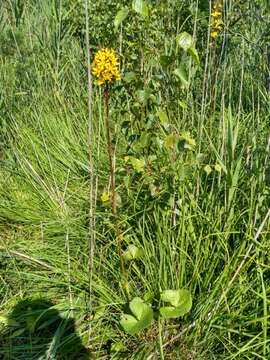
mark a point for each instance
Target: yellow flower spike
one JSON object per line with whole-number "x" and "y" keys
{"x": 105, "y": 66}
{"x": 216, "y": 21}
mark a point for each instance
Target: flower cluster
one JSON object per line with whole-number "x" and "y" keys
{"x": 105, "y": 66}
{"x": 216, "y": 20}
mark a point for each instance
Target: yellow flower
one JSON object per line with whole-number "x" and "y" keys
{"x": 105, "y": 66}
{"x": 216, "y": 21}
{"x": 214, "y": 34}
{"x": 216, "y": 14}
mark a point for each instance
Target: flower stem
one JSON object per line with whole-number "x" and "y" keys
{"x": 110, "y": 150}
{"x": 113, "y": 190}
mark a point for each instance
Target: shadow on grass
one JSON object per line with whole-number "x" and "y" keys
{"x": 37, "y": 331}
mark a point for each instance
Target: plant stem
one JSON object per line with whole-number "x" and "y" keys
{"x": 160, "y": 339}
{"x": 113, "y": 191}
{"x": 110, "y": 149}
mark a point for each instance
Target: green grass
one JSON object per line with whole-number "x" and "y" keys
{"x": 207, "y": 232}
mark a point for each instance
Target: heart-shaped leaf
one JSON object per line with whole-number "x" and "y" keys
{"x": 185, "y": 41}
{"x": 170, "y": 312}
{"x": 142, "y": 317}
{"x": 133, "y": 253}
{"x": 180, "y": 300}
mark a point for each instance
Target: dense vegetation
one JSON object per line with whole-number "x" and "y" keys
{"x": 171, "y": 262}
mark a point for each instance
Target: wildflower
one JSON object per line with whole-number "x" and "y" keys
{"x": 105, "y": 66}
{"x": 216, "y": 21}
{"x": 214, "y": 34}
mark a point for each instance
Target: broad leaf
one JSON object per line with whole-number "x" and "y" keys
{"x": 120, "y": 17}
{"x": 138, "y": 164}
{"x": 162, "y": 117}
{"x": 143, "y": 96}
{"x": 194, "y": 54}
{"x": 171, "y": 140}
{"x": 170, "y": 312}
{"x": 118, "y": 347}
{"x": 180, "y": 300}
{"x": 133, "y": 253}
{"x": 141, "y": 7}
{"x": 142, "y": 317}
{"x": 6, "y": 320}
{"x": 182, "y": 75}
{"x": 130, "y": 76}
{"x": 129, "y": 323}
{"x": 185, "y": 41}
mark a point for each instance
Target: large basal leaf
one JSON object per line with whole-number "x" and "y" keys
{"x": 180, "y": 300}
{"x": 120, "y": 17}
{"x": 133, "y": 252}
{"x": 141, "y": 319}
{"x": 170, "y": 312}
{"x": 141, "y": 7}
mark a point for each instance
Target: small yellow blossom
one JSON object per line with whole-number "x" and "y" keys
{"x": 105, "y": 66}
{"x": 214, "y": 34}
{"x": 216, "y": 21}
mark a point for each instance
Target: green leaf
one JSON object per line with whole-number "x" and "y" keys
{"x": 218, "y": 168}
{"x": 171, "y": 296}
{"x": 148, "y": 296}
{"x": 188, "y": 140}
{"x": 180, "y": 300}
{"x": 162, "y": 117}
{"x": 194, "y": 54}
{"x": 118, "y": 347}
{"x": 182, "y": 75}
{"x": 183, "y": 104}
{"x": 17, "y": 333}
{"x": 130, "y": 76}
{"x": 207, "y": 169}
{"x": 143, "y": 96}
{"x": 171, "y": 141}
{"x": 6, "y": 320}
{"x": 165, "y": 60}
{"x": 130, "y": 324}
{"x": 138, "y": 164}
{"x": 142, "y": 317}
{"x": 141, "y": 7}
{"x": 185, "y": 41}
{"x": 170, "y": 312}
{"x": 133, "y": 253}
{"x": 120, "y": 17}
